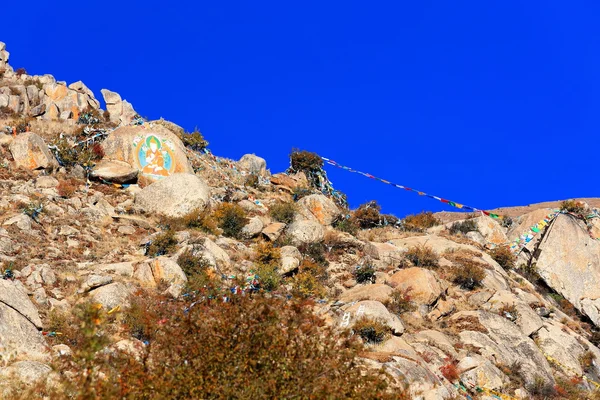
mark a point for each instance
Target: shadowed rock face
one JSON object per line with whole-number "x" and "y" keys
{"x": 569, "y": 262}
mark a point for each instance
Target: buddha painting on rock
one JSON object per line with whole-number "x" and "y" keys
{"x": 155, "y": 159}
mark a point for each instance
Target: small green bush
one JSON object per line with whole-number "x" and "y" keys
{"x": 347, "y": 224}
{"x": 70, "y": 156}
{"x": 315, "y": 252}
{"x": 283, "y": 212}
{"x": 231, "y": 218}
{"x": 464, "y": 227}
{"x": 197, "y": 270}
{"x": 194, "y": 140}
{"x": 309, "y": 281}
{"x": 364, "y": 274}
{"x": 422, "y": 256}
{"x": 267, "y": 259}
{"x": 420, "y": 222}
{"x": 161, "y": 244}
{"x": 199, "y": 219}
{"x": 371, "y": 330}
{"x": 503, "y": 256}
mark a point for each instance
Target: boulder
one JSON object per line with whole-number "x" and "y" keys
{"x": 120, "y": 111}
{"x": 306, "y": 232}
{"x": 14, "y": 297}
{"x": 253, "y": 228}
{"x": 497, "y": 338}
{"x": 253, "y": 164}
{"x": 175, "y": 196}
{"x": 155, "y": 151}
{"x": 378, "y": 292}
{"x": 568, "y": 260}
{"x": 114, "y": 171}
{"x": 375, "y": 310}
{"x": 46, "y": 182}
{"x": 288, "y": 264}
{"x": 111, "y": 295}
{"x": 273, "y": 231}
{"x": 167, "y": 270}
{"x": 319, "y": 208}
{"x": 19, "y": 336}
{"x": 386, "y": 252}
{"x": 420, "y": 283}
{"x": 28, "y": 372}
{"x": 31, "y": 152}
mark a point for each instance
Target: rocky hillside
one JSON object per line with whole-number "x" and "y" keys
{"x": 126, "y": 238}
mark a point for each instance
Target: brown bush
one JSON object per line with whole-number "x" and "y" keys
{"x": 302, "y": 160}
{"x": 309, "y": 280}
{"x": 66, "y": 189}
{"x": 283, "y": 212}
{"x": 252, "y": 181}
{"x": 194, "y": 140}
{"x": 197, "y": 269}
{"x": 422, "y": 256}
{"x": 199, "y": 219}
{"x": 251, "y": 347}
{"x": 368, "y": 215}
{"x": 21, "y": 71}
{"x": 572, "y": 206}
{"x": 450, "y": 370}
{"x": 464, "y": 227}
{"x": 348, "y": 224}
{"x": 267, "y": 259}
{"x": 420, "y": 222}
{"x": 467, "y": 274}
{"x": 503, "y": 256}
{"x": 231, "y": 218}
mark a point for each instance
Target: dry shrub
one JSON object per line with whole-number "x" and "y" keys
{"x": 260, "y": 347}
{"x": 67, "y": 188}
{"x": 252, "y": 181}
{"x": 372, "y": 331}
{"x": 161, "y": 244}
{"x": 309, "y": 280}
{"x": 197, "y": 269}
{"x": 283, "y": 212}
{"x": 315, "y": 252}
{"x": 509, "y": 312}
{"x": 464, "y": 227}
{"x": 503, "y": 256}
{"x": 338, "y": 245}
{"x": 450, "y": 370}
{"x": 467, "y": 323}
{"x": 302, "y": 160}
{"x": 572, "y": 206}
{"x": 587, "y": 361}
{"x": 231, "y": 218}
{"x": 21, "y": 71}
{"x": 420, "y": 222}
{"x": 400, "y": 301}
{"x": 465, "y": 271}
{"x": 266, "y": 259}
{"x": 368, "y": 215}
{"x": 422, "y": 256}
{"x": 199, "y": 219}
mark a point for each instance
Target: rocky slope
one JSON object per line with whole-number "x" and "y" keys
{"x": 72, "y": 232}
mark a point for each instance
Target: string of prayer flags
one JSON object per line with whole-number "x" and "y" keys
{"x": 420, "y": 193}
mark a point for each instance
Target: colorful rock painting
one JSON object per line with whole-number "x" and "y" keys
{"x": 154, "y": 155}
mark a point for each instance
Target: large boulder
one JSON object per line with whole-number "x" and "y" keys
{"x": 110, "y": 296}
{"x": 31, "y": 152}
{"x": 175, "y": 196}
{"x": 120, "y": 111}
{"x": 114, "y": 171}
{"x": 253, "y": 164}
{"x": 153, "y": 150}
{"x": 378, "y": 292}
{"x": 319, "y": 208}
{"x": 420, "y": 283}
{"x": 19, "y": 324}
{"x": 375, "y": 310}
{"x": 568, "y": 260}
{"x": 306, "y": 232}
{"x": 498, "y": 338}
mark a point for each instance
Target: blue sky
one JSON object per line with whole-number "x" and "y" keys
{"x": 485, "y": 103}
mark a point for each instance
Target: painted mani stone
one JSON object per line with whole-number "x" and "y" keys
{"x": 154, "y": 155}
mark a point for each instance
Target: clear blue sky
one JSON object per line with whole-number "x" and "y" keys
{"x": 484, "y": 103}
